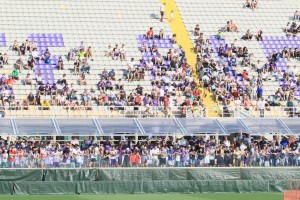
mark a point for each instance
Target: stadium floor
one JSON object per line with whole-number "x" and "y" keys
{"x": 218, "y": 196}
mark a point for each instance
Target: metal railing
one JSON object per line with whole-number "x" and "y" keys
{"x": 105, "y": 111}
{"x": 270, "y": 111}
{"x": 149, "y": 111}
{"x": 84, "y": 161}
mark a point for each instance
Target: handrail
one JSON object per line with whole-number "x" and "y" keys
{"x": 147, "y": 111}
{"x": 105, "y": 111}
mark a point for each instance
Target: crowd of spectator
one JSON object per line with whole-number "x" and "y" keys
{"x": 225, "y": 70}
{"x": 172, "y": 82}
{"x": 226, "y": 75}
{"x": 189, "y": 151}
{"x": 292, "y": 29}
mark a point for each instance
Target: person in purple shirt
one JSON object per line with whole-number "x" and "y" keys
{"x": 48, "y": 88}
{"x": 107, "y": 145}
{"x": 146, "y": 100}
{"x": 101, "y": 85}
{"x": 184, "y": 156}
{"x": 3, "y": 79}
{"x": 108, "y": 85}
{"x": 46, "y": 56}
{"x": 54, "y": 89}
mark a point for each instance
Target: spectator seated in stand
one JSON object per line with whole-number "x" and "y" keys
{"x": 150, "y": 33}
{"x": 46, "y": 56}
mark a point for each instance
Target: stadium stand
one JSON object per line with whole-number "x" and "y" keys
{"x": 93, "y": 87}
{"x": 69, "y": 26}
{"x": 254, "y": 71}
{"x": 213, "y": 22}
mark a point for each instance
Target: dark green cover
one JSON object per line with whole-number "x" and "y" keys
{"x": 145, "y": 180}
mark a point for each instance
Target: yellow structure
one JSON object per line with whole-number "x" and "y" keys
{"x": 183, "y": 39}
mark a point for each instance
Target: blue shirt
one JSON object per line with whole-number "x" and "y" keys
{"x": 259, "y": 91}
{"x": 171, "y": 157}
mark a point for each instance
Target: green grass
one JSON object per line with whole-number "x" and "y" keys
{"x": 217, "y": 196}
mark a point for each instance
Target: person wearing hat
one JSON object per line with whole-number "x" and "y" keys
{"x": 4, "y": 159}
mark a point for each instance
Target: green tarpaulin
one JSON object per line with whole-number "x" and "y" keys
{"x": 150, "y": 180}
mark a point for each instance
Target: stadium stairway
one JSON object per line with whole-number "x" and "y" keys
{"x": 178, "y": 27}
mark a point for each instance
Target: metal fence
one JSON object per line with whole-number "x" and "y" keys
{"x": 106, "y": 111}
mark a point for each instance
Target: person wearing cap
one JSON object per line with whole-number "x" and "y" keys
{"x": 4, "y": 159}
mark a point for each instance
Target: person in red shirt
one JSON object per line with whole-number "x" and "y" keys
{"x": 196, "y": 93}
{"x": 138, "y": 100}
{"x": 9, "y": 82}
{"x": 12, "y": 157}
{"x": 245, "y": 75}
{"x": 235, "y": 93}
{"x": 150, "y": 33}
{"x": 132, "y": 159}
{"x": 167, "y": 100}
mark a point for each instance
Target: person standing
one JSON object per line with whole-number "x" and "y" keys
{"x": 154, "y": 154}
{"x": 172, "y": 16}
{"x": 162, "y": 11}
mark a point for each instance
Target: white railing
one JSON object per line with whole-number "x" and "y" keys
{"x": 151, "y": 111}
{"x": 270, "y": 111}
{"x": 105, "y": 111}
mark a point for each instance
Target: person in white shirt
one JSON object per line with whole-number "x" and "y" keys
{"x": 261, "y": 104}
{"x": 113, "y": 157}
{"x": 35, "y": 54}
{"x": 295, "y": 71}
{"x": 109, "y": 51}
{"x": 154, "y": 155}
{"x": 57, "y": 157}
{"x": 149, "y": 65}
{"x": 172, "y": 16}
{"x": 162, "y": 11}
{"x": 226, "y": 142}
{"x": 131, "y": 64}
{"x": 123, "y": 53}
